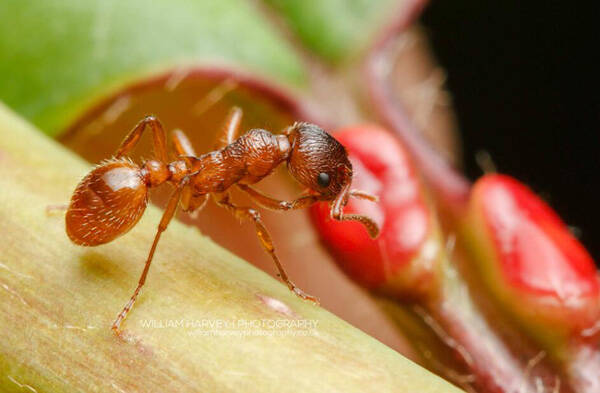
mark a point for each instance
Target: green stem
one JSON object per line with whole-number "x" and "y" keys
{"x": 58, "y": 301}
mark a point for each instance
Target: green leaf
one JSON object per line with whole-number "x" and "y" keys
{"x": 336, "y": 29}
{"x": 59, "y": 57}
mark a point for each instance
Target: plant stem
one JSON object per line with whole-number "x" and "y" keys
{"x": 58, "y": 301}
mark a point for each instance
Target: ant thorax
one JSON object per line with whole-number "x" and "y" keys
{"x": 247, "y": 160}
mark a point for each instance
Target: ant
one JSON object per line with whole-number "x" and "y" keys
{"x": 110, "y": 200}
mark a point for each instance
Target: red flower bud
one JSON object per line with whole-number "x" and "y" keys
{"x": 403, "y": 260}
{"x": 529, "y": 259}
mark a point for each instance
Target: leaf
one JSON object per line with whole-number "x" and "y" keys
{"x": 57, "y": 58}
{"x": 337, "y": 29}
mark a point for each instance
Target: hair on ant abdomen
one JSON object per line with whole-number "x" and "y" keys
{"x": 110, "y": 200}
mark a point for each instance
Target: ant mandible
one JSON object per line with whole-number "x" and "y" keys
{"x": 110, "y": 200}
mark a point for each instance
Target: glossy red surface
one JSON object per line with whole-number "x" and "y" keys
{"x": 536, "y": 251}
{"x": 381, "y": 167}
{"x": 106, "y": 204}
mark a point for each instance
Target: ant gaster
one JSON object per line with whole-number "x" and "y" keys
{"x": 110, "y": 200}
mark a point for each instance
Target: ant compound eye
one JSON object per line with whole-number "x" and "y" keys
{"x": 323, "y": 179}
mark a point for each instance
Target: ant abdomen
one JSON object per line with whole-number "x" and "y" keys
{"x": 107, "y": 203}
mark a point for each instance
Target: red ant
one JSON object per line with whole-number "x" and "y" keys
{"x": 110, "y": 200}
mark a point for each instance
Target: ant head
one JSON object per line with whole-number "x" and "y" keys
{"x": 107, "y": 203}
{"x": 317, "y": 160}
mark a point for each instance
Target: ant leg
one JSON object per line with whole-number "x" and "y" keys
{"x": 230, "y": 128}
{"x": 164, "y": 222}
{"x": 338, "y": 214}
{"x": 274, "y": 204}
{"x": 192, "y": 204}
{"x": 247, "y": 213}
{"x": 158, "y": 133}
{"x": 183, "y": 146}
